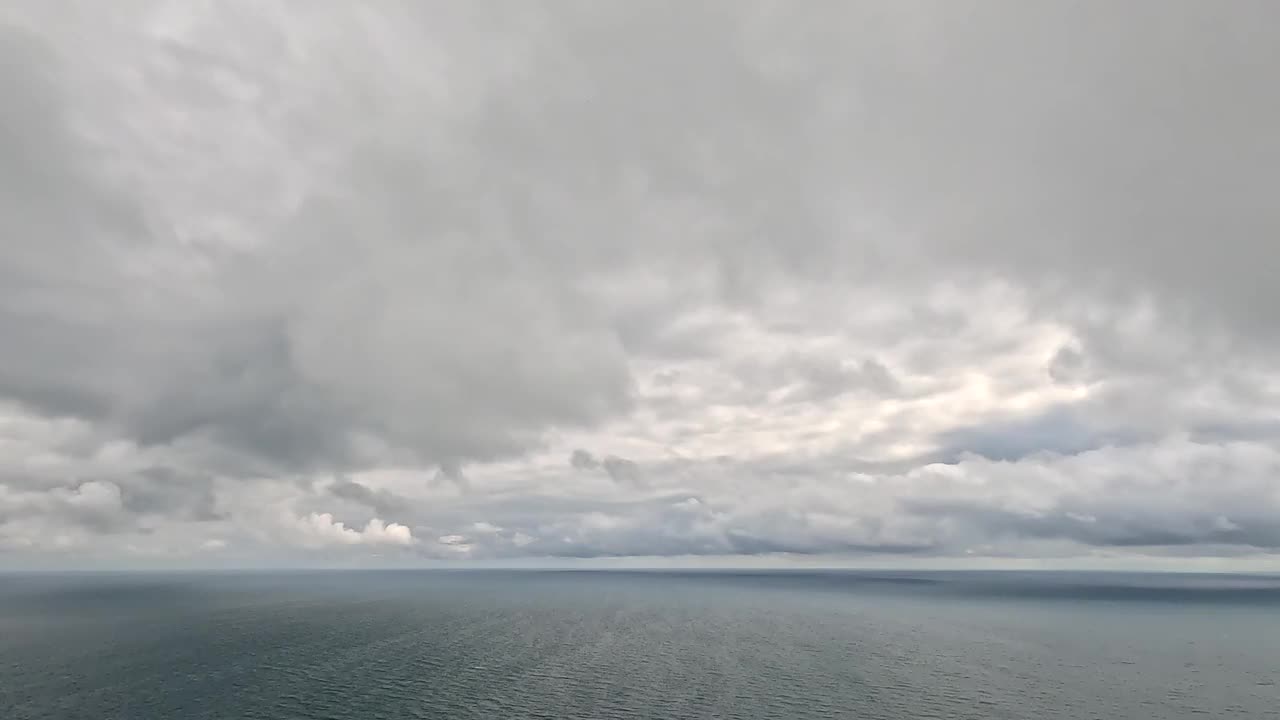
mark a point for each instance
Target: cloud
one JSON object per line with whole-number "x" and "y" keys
{"x": 622, "y": 470}
{"x": 165, "y": 491}
{"x": 383, "y": 502}
{"x": 268, "y": 380}
{"x": 1157, "y": 497}
{"x": 1173, "y": 493}
{"x": 860, "y": 279}
{"x": 583, "y": 460}
{"x": 1057, "y": 430}
{"x": 320, "y": 529}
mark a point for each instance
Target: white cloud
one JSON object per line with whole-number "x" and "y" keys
{"x": 320, "y": 529}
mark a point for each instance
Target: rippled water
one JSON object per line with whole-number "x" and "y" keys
{"x": 363, "y": 645}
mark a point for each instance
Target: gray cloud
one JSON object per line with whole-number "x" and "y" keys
{"x": 583, "y": 460}
{"x": 1058, "y": 430}
{"x": 618, "y": 469}
{"x": 855, "y": 279}
{"x": 622, "y": 470}
{"x": 816, "y": 378}
{"x": 169, "y": 492}
{"x": 384, "y": 503}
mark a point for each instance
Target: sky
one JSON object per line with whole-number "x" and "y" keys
{"x": 417, "y": 283}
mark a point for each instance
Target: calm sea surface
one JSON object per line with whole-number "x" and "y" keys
{"x": 439, "y": 644}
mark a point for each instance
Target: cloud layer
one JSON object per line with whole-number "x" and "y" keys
{"x": 408, "y": 282}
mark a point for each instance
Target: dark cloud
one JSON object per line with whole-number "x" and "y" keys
{"x": 1057, "y": 430}
{"x": 622, "y": 470}
{"x": 619, "y": 469}
{"x": 171, "y": 493}
{"x": 582, "y": 460}
{"x": 1067, "y": 365}
{"x": 384, "y": 503}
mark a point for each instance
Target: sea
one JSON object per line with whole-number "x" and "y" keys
{"x": 570, "y": 644}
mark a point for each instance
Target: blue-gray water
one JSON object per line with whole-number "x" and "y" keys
{"x": 364, "y": 645}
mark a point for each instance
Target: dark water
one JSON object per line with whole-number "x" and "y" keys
{"x": 365, "y": 645}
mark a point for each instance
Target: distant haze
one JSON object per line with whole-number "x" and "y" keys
{"x": 857, "y": 283}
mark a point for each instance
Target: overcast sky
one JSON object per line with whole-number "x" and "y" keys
{"x": 404, "y": 282}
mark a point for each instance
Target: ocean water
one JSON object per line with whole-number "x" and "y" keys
{"x": 567, "y": 645}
